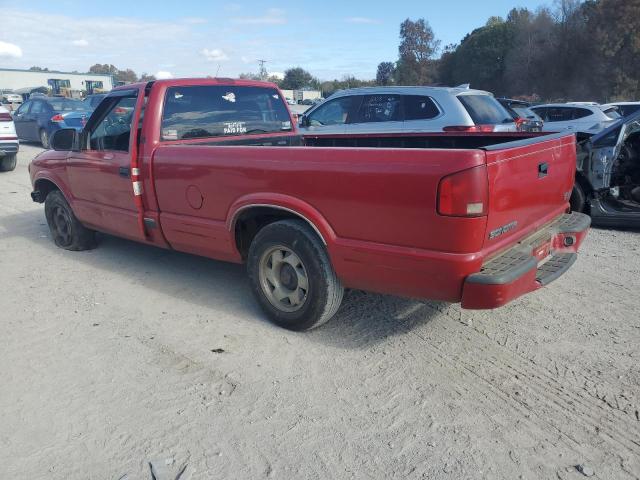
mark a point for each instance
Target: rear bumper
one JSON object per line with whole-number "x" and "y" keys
{"x": 8, "y": 147}
{"x": 529, "y": 265}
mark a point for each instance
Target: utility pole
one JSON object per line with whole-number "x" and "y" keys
{"x": 263, "y": 70}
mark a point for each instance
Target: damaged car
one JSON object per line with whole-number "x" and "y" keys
{"x": 608, "y": 174}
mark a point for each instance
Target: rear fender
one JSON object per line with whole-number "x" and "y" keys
{"x": 291, "y": 204}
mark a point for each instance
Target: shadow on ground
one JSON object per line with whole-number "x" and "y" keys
{"x": 364, "y": 319}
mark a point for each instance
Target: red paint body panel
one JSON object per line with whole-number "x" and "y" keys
{"x": 375, "y": 208}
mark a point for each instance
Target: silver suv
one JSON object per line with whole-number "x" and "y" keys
{"x": 406, "y": 110}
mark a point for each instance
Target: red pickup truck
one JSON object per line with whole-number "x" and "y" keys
{"x": 215, "y": 167}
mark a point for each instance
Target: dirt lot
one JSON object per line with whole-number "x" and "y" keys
{"x": 125, "y": 355}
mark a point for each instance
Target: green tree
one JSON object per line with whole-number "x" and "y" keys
{"x": 298, "y": 78}
{"x": 127, "y": 76}
{"x": 38, "y": 69}
{"x": 616, "y": 24}
{"x": 417, "y": 50}
{"x": 386, "y": 73}
{"x": 480, "y": 58}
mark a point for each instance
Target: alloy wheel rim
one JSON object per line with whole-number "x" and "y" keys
{"x": 284, "y": 279}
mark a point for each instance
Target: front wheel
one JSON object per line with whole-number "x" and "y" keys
{"x": 292, "y": 277}
{"x": 66, "y": 229}
{"x": 8, "y": 163}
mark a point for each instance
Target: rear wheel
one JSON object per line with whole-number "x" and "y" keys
{"x": 44, "y": 138}
{"x": 66, "y": 229}
{"x": 8, "y": 163}
{"x": 292, "y": 277}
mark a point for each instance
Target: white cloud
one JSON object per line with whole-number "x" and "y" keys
{"x": 81, "y": 42}
{"x": 163, "y": 75}
{"x": 10, "y": 50}
{"x": 214, "y": 55}
{"x": 274, "y": 16}
{"x": 363, "y": 20}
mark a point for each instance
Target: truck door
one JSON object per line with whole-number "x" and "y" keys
{"x": 99, "y": 174}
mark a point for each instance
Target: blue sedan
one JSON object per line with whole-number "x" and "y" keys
{"x": 39, "y": 117}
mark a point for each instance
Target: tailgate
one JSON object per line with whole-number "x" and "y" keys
{"x": 530, "y": 183}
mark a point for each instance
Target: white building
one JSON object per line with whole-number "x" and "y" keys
{"x": 26, "y": 79}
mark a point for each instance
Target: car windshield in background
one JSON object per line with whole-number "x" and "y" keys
{"x": 213, "y": 111}
{"x": 67, "y": 105}
{"x": 626, "y": 110}
{"x": 484, "y": 109}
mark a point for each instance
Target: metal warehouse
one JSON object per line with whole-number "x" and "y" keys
{"x": 27, "y": 79}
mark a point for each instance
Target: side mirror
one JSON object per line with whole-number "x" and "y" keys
{"x": 64, "y": 139}
{"x": 303, "y": 121}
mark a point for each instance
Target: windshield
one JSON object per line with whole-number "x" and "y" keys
{"x": 484, "y": 109}
{"x": 212, "y": 111}
{"x": 68, "y": 105}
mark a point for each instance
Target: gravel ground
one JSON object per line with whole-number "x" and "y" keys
{"x": 127, "y": 357}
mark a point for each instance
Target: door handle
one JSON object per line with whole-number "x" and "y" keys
{"x": 543, "y": 169}
{"x": 124, "y": 172}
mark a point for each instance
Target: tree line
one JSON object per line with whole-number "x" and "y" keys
{"x": 576, "y": 51}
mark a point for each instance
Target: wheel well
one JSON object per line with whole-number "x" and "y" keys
{"x": 251, "y": 220}
{"x": 45, "y": 187}
{"x": 583, "y": 181}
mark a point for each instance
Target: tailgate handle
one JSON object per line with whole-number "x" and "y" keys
{"x": 124, "y": 172}
{"x": 543, "y": 169}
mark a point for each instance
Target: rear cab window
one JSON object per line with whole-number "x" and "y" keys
{"x": 484, "y": 109}
{"x": 218, "y": 111}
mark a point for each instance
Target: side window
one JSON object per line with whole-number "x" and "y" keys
{"x": 580, "y": 113}
{"x": 379, "y": 108}
{"x": 541, "y": 112}
{"x": 37, "y": 107}
{"x": 419, "y": 108}
{"x": 559, "y": 114}
{"x": 114, "y": 130}
{"x": 24, "y": 108}
{"x": 333, "y": 112}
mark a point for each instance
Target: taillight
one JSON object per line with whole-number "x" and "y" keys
{"x": 57, "y": 118}
{"x": 5, "y": 117}
{"x": 469, "y": 128}
{"x": 464, "y": 194}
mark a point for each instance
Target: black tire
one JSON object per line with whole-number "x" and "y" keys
{"x": 324, "y": 291}
{"x": 44, "y": 138}
{"x": 578, "y": 198}
{"x": 8, "y": 163}
{"x": 66, "y": 229}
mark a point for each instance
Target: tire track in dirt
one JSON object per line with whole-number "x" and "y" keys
{"x": 540, "y": 395}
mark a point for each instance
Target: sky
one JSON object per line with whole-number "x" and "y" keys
{"x": 329, "y": 38}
